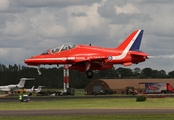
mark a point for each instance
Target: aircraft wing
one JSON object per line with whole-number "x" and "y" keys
{"x": 92, "y": 63}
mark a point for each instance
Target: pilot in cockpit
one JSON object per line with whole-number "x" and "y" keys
{"x": 69, "y": 46}
{"x": 64, "y": 47}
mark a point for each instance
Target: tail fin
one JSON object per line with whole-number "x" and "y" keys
{"x": 32, "y": 89}
{"x": 22, "y": 82}
{"x": 40, "y": 88}
{"x": 132, "y": 42}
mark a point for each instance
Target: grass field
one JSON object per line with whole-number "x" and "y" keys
{"x": 96, "y": 103}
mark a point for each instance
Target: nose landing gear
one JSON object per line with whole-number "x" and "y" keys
{"x": 38, "y": 70}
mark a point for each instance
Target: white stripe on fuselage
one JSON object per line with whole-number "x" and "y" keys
{"x": 124, "y": 53}
{"x": 63, "y": 58}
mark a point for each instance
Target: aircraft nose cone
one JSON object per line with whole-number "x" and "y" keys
{"x": 31, "y": 61}
{"x": 26, "y": 61}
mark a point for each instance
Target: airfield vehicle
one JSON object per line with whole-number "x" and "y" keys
{"x": 130, "y": 90}
{"x": 25, "y": 98}
{"x": 158, "y": 87}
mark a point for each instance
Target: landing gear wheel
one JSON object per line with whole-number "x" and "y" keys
{"x": 89, "y": 74}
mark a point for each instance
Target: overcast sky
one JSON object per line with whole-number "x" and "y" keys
{"x": 29, "y": 27}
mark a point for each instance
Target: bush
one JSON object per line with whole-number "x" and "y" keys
{"x": 141, "y": 98}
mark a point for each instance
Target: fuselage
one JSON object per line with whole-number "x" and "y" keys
{"x": 86, "y": 53}
{"x": 8, "y": 88}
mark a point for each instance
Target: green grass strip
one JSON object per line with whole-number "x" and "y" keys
{"x": 95, "y": 117}
{"x": 103, "y": 103}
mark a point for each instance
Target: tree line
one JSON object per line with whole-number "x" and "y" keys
{"x": 53, "y": 77}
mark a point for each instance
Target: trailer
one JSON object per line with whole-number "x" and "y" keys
{"x": 158, "y": 88}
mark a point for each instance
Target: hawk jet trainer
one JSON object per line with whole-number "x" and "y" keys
{"x": 86, "y": 58}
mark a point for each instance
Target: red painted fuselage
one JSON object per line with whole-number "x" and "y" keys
{"x": 83, "y": 57}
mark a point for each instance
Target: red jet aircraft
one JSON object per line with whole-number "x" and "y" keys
{"x": 86, "y": 58}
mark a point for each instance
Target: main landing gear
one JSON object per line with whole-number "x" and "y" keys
{"x": 89, "y": 74}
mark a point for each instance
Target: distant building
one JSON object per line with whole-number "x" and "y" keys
{"x": 119, "y": 85}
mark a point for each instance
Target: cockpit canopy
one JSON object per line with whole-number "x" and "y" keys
{"x": 59, "y": 49}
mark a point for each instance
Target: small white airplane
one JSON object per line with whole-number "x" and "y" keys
{"x": 11, "y": 88}
{"x": 38, "y": 89}
{"x": 34, "y": 90}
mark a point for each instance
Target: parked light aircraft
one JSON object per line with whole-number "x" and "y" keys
{"x": 13, "y": 87}
{"x": 38, "y": 89}
{"x": 87, "y": 58}
{"x": 34, "y": 90}
{"x": 30, "y": 90}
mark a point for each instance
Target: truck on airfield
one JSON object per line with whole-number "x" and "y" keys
{"x": 158, "y": 88}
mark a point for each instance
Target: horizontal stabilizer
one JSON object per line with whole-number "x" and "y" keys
{"x": 139, "y": 53}
{"x": 127, "y": 64}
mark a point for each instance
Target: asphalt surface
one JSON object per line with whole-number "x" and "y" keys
{"x": 76, "y": 111}
{"x": 83, "y": 112}
{"x": 49, "y": 98}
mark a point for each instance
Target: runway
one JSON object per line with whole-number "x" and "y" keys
{"x": 83, "y": 112}
{"x": 50, "y": 98}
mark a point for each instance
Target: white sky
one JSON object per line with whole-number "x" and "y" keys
{"x": 29, "y": 27}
